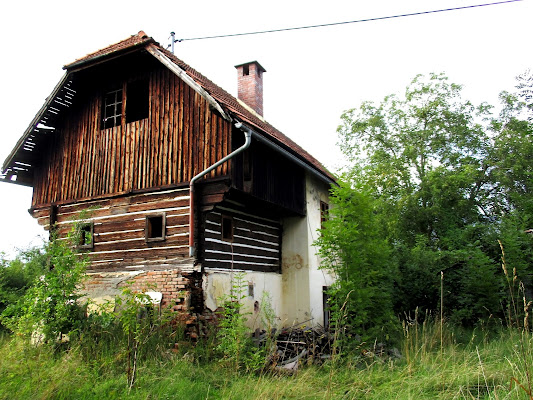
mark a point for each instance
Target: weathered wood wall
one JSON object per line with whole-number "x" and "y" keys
{"x": 119, "y": 229}
{"x": 181, "y": 137}
{"x": 272, "y": 177}
{"x": 256, "y": 243}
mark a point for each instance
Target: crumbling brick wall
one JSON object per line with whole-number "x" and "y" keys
{"x": 172, "y": 284}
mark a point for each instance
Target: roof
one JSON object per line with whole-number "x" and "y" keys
{"x": 133, "y": 41}
{"x": 19, "y": 160}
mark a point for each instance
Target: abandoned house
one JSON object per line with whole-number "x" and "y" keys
{"x": 184, "y": 184}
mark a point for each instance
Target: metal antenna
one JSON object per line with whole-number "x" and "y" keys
{"x": 173, "y": 37}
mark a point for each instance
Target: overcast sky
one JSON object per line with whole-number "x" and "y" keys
{"x": 312, "y": 76}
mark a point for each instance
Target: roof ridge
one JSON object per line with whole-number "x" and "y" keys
{"x": 134, "y": 40}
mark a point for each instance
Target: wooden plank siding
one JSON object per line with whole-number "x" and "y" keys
{"x": 180, "y": 137}
{"x": 256, "y": 242}
{"x": 119, "y": 228}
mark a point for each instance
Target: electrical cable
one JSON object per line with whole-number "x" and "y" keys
{"x": 347, "y": 22}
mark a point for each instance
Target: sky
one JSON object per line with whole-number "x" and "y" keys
{"x": 312, "y": 76}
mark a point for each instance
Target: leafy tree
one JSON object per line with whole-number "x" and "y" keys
{"x": 426, "y": 158}
{"x": 17, "y": 276}
{"x": 353, "y": 249}
{"x": 50, "y": 305}
{"x": 525, "y": 91}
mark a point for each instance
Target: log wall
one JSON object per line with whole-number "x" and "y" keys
{"x": 119, "y": 240}
{"x": 256, "y": 242}
{"x": 180, "y": 138}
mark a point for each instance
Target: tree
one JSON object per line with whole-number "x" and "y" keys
{"x": 49, "y": 306}
{"x": 17, "y": 276}
{"x": 425, "y": 157}
{"x": 353, "y": 249}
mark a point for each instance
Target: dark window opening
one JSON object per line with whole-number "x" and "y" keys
{"x": 137, "y": 100}
{"x": 250, "y": 289}
{"x": 227, "y": 228}
{"x": 86, "y": 236}
{"x": 112, "y": 109}
{"x": 325, "y": 306}
{"x": 246, "y": 70}
{"x": 324, "y": 213}
{"x": 155, "y": 227}
{"x": 247, "y": 165}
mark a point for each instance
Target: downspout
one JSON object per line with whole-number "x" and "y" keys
{"x": 247, "y": 142}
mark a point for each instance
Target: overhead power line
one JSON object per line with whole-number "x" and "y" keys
{"x": 348, "y": 22}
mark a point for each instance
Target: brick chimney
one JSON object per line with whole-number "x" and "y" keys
{"x": 250, "y": 82}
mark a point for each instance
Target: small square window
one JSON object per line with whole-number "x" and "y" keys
{"x": 86, "y": 236}
{"x": 155, "y": 228}
{"x": 227, "y": 228}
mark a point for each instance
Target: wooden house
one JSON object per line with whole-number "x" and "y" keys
{"x": 183, "y": 183}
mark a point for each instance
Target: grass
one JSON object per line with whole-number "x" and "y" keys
{"x": 471, "y": 365}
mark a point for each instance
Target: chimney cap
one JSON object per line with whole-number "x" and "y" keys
{"x": 252, "y": 62}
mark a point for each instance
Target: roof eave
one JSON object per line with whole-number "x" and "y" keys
{"x": 33, "y": 124}
{"x": 87, "y": 62}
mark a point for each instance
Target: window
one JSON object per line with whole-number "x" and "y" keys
{"x": 324, "y": 213}
{"x": 247, "y": 171}
{"x": 136, "y": 104}
{"x": 227, "y": 228}
{"x": 137, "y": 100}
{"x": 86, "y": 238}
{"x": 325, "y": 306}
{"x": 245, "y": 70}
{"x": 155, "y": 228}
{"x": 112, "y": 109}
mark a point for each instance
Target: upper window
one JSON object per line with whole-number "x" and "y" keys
{"x": 247, "y": 165}
{"x": 134, "y": 106}
{"x": 137, "y": 100}
{"x": 112, "y": 109}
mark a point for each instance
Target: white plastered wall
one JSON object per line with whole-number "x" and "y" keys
{"x": 296, "y": 293}
{"x": 303, "y": 281}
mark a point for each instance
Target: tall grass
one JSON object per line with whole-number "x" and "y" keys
{"x": 472, "y": 365}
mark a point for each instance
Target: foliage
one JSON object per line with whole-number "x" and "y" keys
{"x": 472, "y": 364}
{"x": 235, "y": 343}
{"x": 353, "y": 249}
{"x": 447, "y": 180}
{"x": 525, "y": 90}
{"x": 49, "y": 307}
{"x": 17, "y": 276}
{"x": 139, "y": 321}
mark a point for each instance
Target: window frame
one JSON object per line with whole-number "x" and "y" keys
{"x": 119, "y": 104}
{"x": 82, "y": 243}
{"x": 229, "y": 220}
{"x": 148, "y": 228}
{"x": 115, "y": 105}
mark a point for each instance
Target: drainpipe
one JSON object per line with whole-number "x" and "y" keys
{"x": 247, "y": 142}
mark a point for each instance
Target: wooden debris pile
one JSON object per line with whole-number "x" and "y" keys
{"x": 297, "y": 345}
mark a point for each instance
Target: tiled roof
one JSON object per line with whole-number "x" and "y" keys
{"x": 140, "y": 38}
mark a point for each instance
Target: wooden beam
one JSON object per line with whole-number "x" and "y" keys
{"x": 187, "y": 79}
